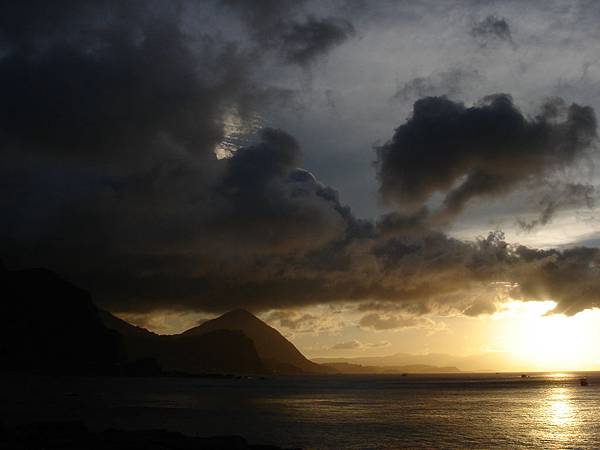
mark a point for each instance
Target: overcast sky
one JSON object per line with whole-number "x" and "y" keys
{"x": 344, "y": 160}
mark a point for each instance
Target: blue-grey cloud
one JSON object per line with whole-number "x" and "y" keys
{"x": 485, "y": 150}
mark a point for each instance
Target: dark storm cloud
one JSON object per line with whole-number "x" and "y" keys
{"x": 435, "y": 273}
{"x": 24, "y": 24}
{"x": 111, "y": 113}
{"x": 438, "y": 273}
{"x": 571, "y": 277}
{"x": 485, "y": 150}
{"x": 108, "y": 130}
{"x": 267, "y": 198}
{"x": 101, "y": 102}
{"x": 126, "y": 84}
{"x": 279, "y": 25}
{"x": 255, "y": 202}
{"x": 492, "y": 29}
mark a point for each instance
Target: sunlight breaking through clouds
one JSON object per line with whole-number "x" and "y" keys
{"x": 551, "y": 341}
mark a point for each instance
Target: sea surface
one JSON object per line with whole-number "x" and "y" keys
{"x": 333, "y": 412}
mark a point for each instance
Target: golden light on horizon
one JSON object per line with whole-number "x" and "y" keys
{"x": 552, "y": 341}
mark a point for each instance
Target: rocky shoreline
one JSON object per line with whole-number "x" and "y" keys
{"x": 76, "y": 436}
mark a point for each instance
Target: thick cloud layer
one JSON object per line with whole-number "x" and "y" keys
{"x": 111, "y": 115}
{"x": 267, "y": 200}
{"x": 571, "y": 277}
{"x": 108, "y": 134}
{"x": 484, "y": 150}
{"x": 114, "y": 83}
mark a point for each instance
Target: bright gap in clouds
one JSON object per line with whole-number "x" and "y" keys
{"x": 237, "y": 131}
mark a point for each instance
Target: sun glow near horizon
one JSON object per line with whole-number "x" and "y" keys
{"x": 524, "y": 335}
{"x": 549, "y": 341}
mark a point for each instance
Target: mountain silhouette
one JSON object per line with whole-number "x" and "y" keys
{"x": 52, "y": 326}
{"x": 276, "y": 352}
{"x": 242, "y": 338}
{"x": 220, "y": 351}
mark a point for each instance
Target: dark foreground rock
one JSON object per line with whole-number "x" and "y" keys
{"x": 75, "y": 436}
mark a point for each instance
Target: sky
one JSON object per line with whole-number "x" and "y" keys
{"x": 368, "y": 177}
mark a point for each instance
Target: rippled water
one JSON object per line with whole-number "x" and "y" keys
{"x": 353, "y": 412}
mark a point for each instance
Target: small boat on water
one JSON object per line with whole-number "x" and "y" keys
{"x": 524, "y": 376}
{"x": 583, "y": 381}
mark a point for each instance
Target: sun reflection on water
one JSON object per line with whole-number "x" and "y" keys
{"x": 560, "y": 409}
{"x": 557, "y": 375}
{"x": 562, "y": 413}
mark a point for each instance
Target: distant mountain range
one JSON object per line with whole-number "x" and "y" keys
{"x": 438, "y": 362}
{"x": 349, "y": 368}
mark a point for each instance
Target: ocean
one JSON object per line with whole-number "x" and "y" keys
{"x": 328, "y": 412}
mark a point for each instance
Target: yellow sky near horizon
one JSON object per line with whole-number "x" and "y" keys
{"x": 524, "y": 330}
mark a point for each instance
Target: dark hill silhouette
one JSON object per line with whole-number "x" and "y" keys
{"x": 276, "y": 352}
{"x": 124, "y": 328}
{"x": 221, "y": 351}
{"x": 52, "y": 326}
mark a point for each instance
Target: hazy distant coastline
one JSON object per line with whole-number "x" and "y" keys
{"x": 428, "y": 363}
{"x": 349, "y": 368}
